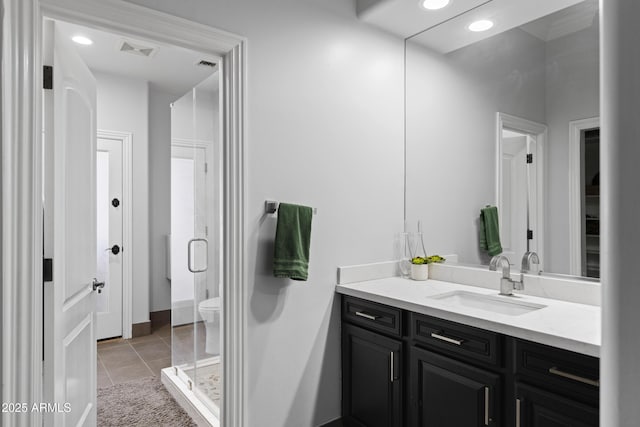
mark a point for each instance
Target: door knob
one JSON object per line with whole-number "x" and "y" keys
{"x": 97, "y": 285}
{"x": 115, "y": 249}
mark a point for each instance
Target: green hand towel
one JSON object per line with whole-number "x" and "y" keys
{"x": 293, "y": 237}
{"x": 489, "y": 233}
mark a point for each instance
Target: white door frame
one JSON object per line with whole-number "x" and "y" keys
{"x": 22, "y": 184}
{"x": 540, "y": 131}
{"x": 575, "y": 191}
{"x": 126, "y": 139}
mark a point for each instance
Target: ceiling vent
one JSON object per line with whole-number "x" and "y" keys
{"x": 205, "y": 63}
{"x": 136, "y": 49}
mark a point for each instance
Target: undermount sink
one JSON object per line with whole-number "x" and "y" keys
{"x": 493, "y": 303}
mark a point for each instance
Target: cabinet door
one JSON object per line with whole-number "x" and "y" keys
{"x": 371, "y": 378}
{"x": 448, "y": 393}
{"x": 540, "y": 408}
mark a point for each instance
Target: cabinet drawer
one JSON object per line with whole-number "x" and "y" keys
{"x": 560, "y": 370}
{"x": 454, "y": 338}
{"x": 371, "y": 315}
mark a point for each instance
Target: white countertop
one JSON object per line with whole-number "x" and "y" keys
{"x": 561, "y": 324}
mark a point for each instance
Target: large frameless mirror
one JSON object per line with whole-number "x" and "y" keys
{"x": 479, "y": 104}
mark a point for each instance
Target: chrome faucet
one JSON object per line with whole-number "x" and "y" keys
{"x": 527, "y": 259}
{"x": 507, "y": 285}
{"x": 500, "y": 259}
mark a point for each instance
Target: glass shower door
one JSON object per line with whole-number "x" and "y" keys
{"x": 195, "y": 242}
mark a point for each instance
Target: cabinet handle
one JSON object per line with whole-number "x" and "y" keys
{"x": 366, "y": 316}
{"x": 556, "y": 371}
{"x": 447, "y": 339}
{"x": 486, "y": 406}
{"x": 391, "y": 367}
{"x": 517, "y": 412}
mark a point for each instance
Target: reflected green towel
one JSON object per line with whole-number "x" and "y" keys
{"x": 293, "y": 237}
{"x": 489, "y": 233}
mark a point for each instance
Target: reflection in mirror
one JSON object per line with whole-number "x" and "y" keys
{"x": 590, "y": 200}
{"x": 542, "y": 66}
{"x": 519, "y": 187}
{"x": 518, "y": 196}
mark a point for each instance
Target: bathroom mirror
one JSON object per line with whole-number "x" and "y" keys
{"x": 538, "y": 65}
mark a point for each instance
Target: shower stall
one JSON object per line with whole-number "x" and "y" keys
{"x": 194, "y": 257}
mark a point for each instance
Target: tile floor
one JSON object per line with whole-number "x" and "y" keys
{"x": 122, "y": 360}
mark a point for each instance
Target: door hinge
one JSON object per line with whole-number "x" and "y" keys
{"x": 206, "y": 230}
{"x": 206, "y": 167}
{"x": 530, "y": 234}
{"x": 47, "y": 269}
{"x": 529, "y": 158}
{"x": 47, "y": 77}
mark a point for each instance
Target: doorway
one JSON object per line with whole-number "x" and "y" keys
{"x": 121, "y": 100}
{"x": 584, "y": 191}
{"x": 109, "y": 238}
{"x": 22, "y": 119}
{"x": 519, "y": 186}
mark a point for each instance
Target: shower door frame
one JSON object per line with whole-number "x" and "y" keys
{"x": 22, "y": 349}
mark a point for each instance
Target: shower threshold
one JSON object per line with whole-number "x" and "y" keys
{"x": 177, "y": 384}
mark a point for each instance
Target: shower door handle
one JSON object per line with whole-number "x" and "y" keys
{"x": 206, "y": 256}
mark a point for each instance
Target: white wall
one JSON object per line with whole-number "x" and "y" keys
{"x": 123, "y": 106}
{"x": 572, "y": 93}
{"x": 159, "y": 195}
{"x": 620, "y": 364}
{"x": 325, "y": 120}
{"x": 451, "y": 132}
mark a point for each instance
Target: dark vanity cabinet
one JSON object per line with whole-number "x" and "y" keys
{"x": 555, "y": 388}
{"x": 372, "y": 365}
{"x": 407, "y": 369}
{"x": 455, "y": 374}
{"x": 448, "y": 393}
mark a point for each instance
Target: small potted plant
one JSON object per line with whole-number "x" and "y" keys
{"x": 420, "y": 266}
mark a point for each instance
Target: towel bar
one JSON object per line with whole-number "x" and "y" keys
{"x": 271, "y": 207}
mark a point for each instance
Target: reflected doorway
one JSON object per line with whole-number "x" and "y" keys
{"x": 584, "y": 177}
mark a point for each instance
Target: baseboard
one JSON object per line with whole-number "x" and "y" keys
{"x": 140, "y": 329}
{"x": 160, "y": 318}
{"x": 335, "y": 423}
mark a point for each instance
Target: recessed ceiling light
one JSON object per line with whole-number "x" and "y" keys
{"x": 482, "y": 25}
{"x": 435, "y": 4}
{"x": 82, "y": 40}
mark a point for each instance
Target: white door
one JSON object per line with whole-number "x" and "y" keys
{"x": 70, "y": 343}
{"x": 514, "y": 198}
{"x": 519, "y": 197}
{"x": 109, "y": 237}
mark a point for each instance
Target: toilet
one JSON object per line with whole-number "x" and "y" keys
{"x": 210, "y": 312}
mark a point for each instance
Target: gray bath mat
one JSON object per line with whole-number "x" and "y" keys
{"x": 143, "y": 402}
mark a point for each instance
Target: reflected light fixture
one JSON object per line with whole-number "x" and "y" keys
{"x": 86, "y": 41}
{"x": 435, "y": 4}
{"x": 481, "y": 25}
